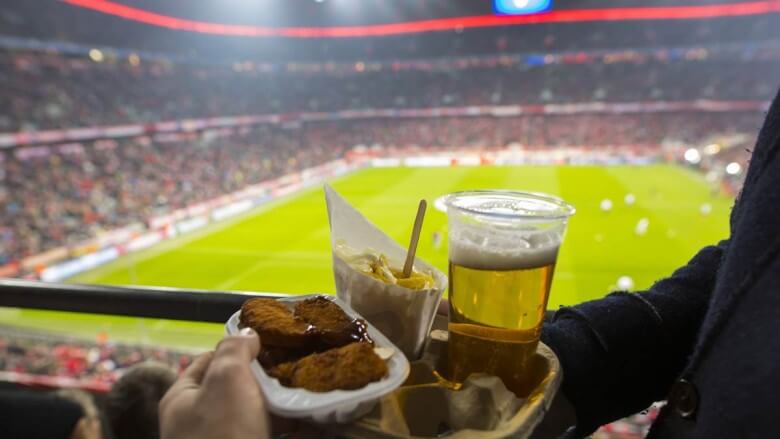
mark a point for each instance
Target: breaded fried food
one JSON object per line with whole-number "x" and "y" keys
{"x": 346, "y": 368}
{"x": 271, "y": 356}
{"x": 282, "y": 372}
{"x": 322, "y": 313}
{"x": 275, "y": 324}
{"x": 334, "y": 327}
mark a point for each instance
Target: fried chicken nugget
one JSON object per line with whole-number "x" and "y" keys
{"x": 334, "y": 327}
{"x": 275, "y": 324}
{"x": 322, "y": 313}
{"x": 272, "y": 356}
{"x": 346, "y": 368}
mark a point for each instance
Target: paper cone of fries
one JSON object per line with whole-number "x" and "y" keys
{"x": 364, "y": 262}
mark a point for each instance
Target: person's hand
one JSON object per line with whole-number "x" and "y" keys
{"x": 217, "y": 397}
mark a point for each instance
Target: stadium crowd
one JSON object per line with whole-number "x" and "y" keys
{"x": 651, "y": 129}
{"x": 89, "y": 363}
{"x": 47, "y": 91}
{"x": 61, "y": 195}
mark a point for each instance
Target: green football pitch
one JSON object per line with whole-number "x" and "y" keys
{"x": 284, "y": 246}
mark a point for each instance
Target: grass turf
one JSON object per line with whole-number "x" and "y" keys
{"x": 284, "y": 247}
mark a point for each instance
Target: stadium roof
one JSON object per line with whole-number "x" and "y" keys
{"x": 296, "y": 30}
{"x": 353, "y": 18}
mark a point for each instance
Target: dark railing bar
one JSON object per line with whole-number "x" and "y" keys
{"x": 152, "y": 302}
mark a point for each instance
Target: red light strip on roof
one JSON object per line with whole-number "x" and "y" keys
{"x": 443, "y": 24}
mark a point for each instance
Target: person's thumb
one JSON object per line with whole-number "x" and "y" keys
{"x": 252, "y": 341}
{"x": 233, "y": 356}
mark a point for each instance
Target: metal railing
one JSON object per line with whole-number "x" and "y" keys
{"x": 152, "y": 302}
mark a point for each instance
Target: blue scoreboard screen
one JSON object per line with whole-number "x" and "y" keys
{"x": 521, "y": 7}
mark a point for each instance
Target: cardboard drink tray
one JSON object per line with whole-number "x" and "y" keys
{"x": 483, "y": 408}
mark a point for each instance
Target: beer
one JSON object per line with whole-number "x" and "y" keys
{"x": 495, "y": 321}
{"x": 502, "y": 246}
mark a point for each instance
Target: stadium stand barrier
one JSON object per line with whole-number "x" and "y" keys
{"x": 51, "y": 360}
{"x": 151, "y": 302}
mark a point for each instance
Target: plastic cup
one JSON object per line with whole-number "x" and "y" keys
{"x": 503, "y": 248}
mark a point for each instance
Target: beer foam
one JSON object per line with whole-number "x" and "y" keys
{"x": 485, "y": 249}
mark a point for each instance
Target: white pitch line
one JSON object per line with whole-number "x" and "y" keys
{"x": 226, "y": 285}
{"x": 314, "y": 260}
{"x": 135, "y": 258}
{"x": 251, "y": 253}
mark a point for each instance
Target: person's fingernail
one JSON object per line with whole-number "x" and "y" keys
{"x": 247, "y": 332}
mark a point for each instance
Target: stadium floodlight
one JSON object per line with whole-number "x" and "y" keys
{"x": 96, "y": 55}
{"x": 693, "y": 155}
{"x": 733, "y": 168}
{"x": 521, "y": 7}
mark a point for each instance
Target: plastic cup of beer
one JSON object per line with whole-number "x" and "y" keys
{"x": 503, "y": 247}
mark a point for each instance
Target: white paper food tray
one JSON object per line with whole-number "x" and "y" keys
{"x": 336, "y": 406}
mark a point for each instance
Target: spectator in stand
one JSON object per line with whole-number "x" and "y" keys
{"x": 131, "y": 405}
{"x": 89, "y": 426}
{"x": 36, "y": 415}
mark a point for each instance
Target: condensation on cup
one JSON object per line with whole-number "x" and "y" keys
{"x": 503, "y": 248}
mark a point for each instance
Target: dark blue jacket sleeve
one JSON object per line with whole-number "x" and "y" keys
{"x": 621, "y": 353}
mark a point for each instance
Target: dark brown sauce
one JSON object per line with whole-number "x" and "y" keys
{"x": 355, "y": 331}
{"x": 361, "y": 331}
